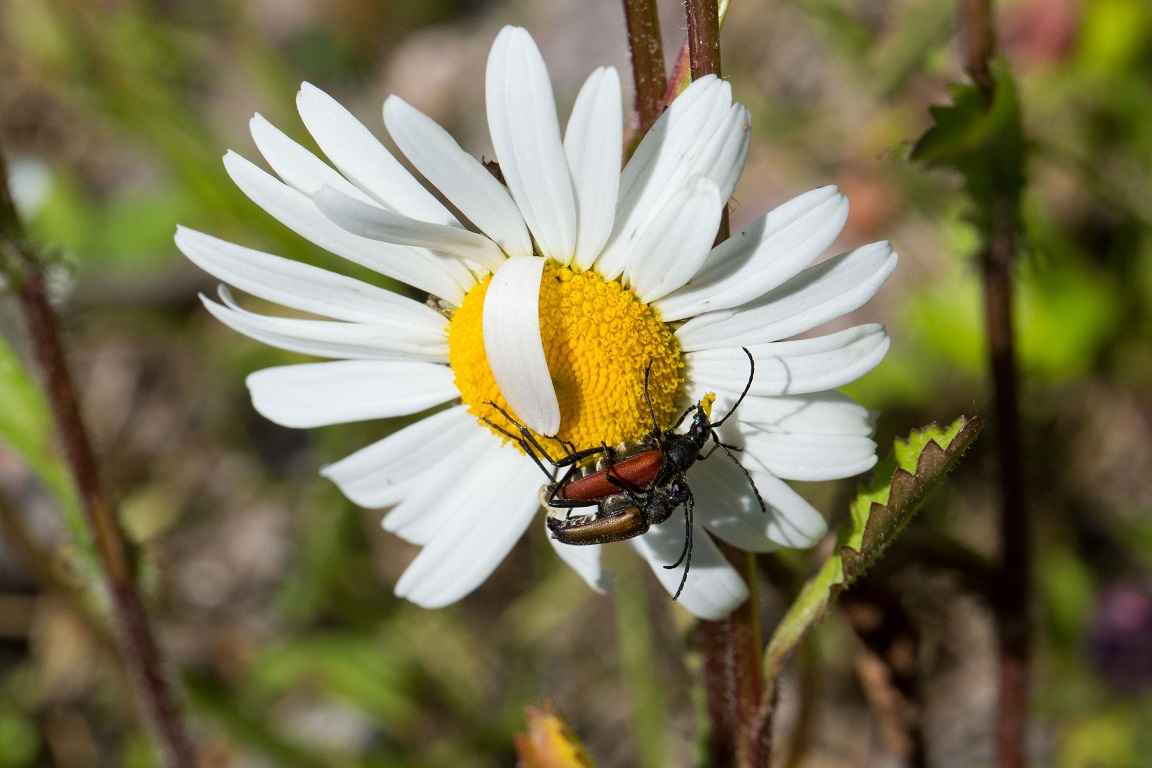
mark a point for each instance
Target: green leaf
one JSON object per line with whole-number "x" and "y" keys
{"x": 982, "y": 140}
{"x": 879, "y": 513}
{"x": 26, "y": 425}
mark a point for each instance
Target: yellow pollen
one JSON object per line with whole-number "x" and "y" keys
{"x": 598, "y": 340}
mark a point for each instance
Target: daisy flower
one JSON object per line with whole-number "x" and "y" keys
{"x": 555, "y": 282}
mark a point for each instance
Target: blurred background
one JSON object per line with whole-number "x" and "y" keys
{"x": 272, "y": 593}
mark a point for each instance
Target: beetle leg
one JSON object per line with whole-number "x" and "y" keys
{"x": 712, "y": 450}
{"x": 630, "y": 490}
{"x": 527, "y": 438}
{"x": 526, "y": 447}
{"x": 648, "y": 399}
{"x": 525, "y": 433}
{"x": 574, "y": 503}
{"x": 571, "y": 462}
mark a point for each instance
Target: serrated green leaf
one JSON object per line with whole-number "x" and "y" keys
{"x": 879, "y": 513}
{"x": 982, "y": 140}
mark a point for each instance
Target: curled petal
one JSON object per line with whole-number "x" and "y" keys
{"x": 512, "y": 342}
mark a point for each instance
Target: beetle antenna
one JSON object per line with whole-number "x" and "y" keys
{"x": 751, "y": 482}
{"x": 687, "y": 537}
{"x": 686, "y": 555}
{"x": 683, "y": 416}
{"x": 748, "y": 386}
{"x": 648, "y": 399}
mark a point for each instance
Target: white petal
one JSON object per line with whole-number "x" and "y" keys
{"x": 364, "y": 160}
{"x": 713, "y": 589}
{"x": 511, "y": 326}
{"x": 702, "y": 132}
{"x": 820, "y": 413}
{"x": 727, "y": 504}
{"x": 727, "y": 507}
{"x": 428, "y": 503}
{"x": 375, "y": 223}
{"x": 762, "y": 256}
{"x": 593, "y": 143}
{"x": 374, "y": 476}
{"x": 326, "y": 338}
{"x": 494, "y": 512}
{"x": 796, "y": 523}
{"x": 818, "y": 294}
{"x": 526, "y": 137}
{"x": 790, "y": 367}
{"x": 670, "y": 249}
{"x": 299, "y": 168}
{"x": 585, "y": 560}
{"x": 301, "y": 286}
{"x": 440, "y": 277}
{"x": 722, "y": 159}
{"x": 466, "y": 183}
{"x": 811, "y": 457}
{"x": 317, "y": 394}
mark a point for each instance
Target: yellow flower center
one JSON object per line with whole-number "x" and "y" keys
{"x": 598, "y": 339}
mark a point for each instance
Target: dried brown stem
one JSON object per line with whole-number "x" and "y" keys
{"x": 648, "y": 75}
{"x": 1012, "y": 605}
{"x": 137, "y": 644}
{"x": 887, "y": 665}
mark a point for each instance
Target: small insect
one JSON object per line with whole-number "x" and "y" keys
{"x": 637, "y": 490}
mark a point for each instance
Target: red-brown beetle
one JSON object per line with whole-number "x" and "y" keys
{"x": 633, "y": 492}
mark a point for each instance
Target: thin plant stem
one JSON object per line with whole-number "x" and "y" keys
{"x": 733, "y": 681}
{"x": 1013, "y": 607}
{"x": 648, "y": 76}
{"x": 703, "y": 37}
{"x": 137, "y": 644}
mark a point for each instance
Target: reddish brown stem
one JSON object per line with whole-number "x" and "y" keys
{"x": 732, "y": 680}
{"x": 648, "y": 75}
{"x": 141, "y": 656}
{"x": 1013, "y": 582}
{"x": 1012, "y": 605}
{"x": 703, "y": 37}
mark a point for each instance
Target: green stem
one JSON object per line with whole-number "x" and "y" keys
{"x": 137, "y": 644}
{"x": 634, "y": 637}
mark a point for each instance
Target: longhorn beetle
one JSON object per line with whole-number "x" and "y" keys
{"x": 636, "y": 491}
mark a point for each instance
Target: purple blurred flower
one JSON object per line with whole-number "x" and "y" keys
{"x": 1121, "y": 639}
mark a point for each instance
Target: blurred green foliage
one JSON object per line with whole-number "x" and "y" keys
{"x": 305, "y": 659}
